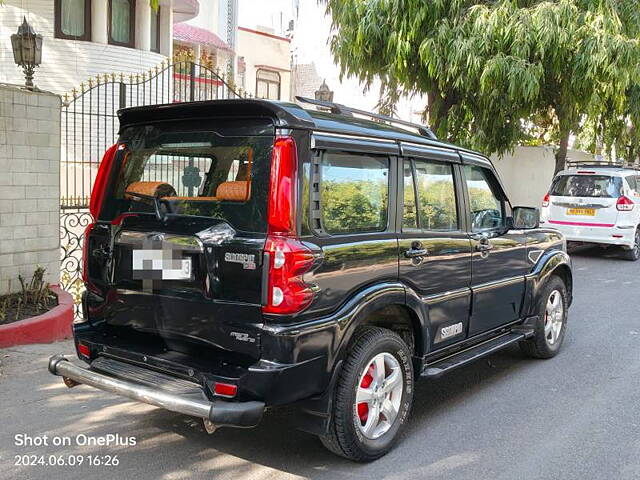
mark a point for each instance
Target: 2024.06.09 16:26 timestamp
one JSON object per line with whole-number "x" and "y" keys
{"x": 66, "y": 460}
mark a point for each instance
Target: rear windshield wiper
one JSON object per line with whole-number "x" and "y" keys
{"x": 157, "y": 203}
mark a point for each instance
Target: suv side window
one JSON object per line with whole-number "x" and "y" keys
{"x": 436, "y": 196}
{"x": 354, "y": 193}
{"x": 410, "y": 212}
{"x": 487, "y": 209}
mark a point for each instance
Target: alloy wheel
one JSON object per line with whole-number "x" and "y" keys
{"x": 553, "y": 317}
{"x": 378, "y": 395}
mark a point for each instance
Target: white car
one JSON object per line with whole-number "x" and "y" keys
{"x": 596, "y": 204}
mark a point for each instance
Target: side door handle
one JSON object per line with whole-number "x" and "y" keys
{"x": 483, "y": 245}
{"x": 414, "y": 253}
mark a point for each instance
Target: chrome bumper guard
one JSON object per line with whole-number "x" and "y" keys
{"x": 219, "y": 412}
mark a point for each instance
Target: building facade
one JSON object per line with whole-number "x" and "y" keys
{"x": 264, "y": 63}
{"x": 86, "y": 38}
{"x": 210, "y": 37}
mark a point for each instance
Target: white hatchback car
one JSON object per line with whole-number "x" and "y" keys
{"x": 596, "y": 204}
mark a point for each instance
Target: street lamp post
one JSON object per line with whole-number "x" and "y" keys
{"x": 27, "y": 51}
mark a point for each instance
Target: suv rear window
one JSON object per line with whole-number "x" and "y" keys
{"x": 602, "y": 186}
{"x": 192, "y": 171}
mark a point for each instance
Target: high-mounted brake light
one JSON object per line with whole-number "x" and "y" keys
{"x": 286, "y": 258}
{"x": 624, "y": 204}
{"x": 100, "y": 184}
{"x": 545, "y": 200}
{"x": 585, "y": 172}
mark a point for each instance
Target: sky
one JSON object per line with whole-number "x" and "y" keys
{"x": 312, "y": 29}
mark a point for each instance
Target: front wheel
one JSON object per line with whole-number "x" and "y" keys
{"x": 373, "y": 396}
{"x": 551, "y": 326}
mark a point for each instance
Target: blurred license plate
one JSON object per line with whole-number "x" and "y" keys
{"x": 587, "y": 212}
{"x": 147, "y": 262}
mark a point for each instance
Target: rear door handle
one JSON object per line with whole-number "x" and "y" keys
{"x": 483, "y": 247}
{"x": 414, "y": 253}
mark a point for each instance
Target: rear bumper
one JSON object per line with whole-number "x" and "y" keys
{"x": 621, "y": 235}
{"x": 219, "y": 412}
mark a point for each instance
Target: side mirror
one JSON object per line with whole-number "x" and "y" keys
{"x": 526, "y": 218}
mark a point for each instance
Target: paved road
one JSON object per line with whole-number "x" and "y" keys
{"x": 573, "y": 417}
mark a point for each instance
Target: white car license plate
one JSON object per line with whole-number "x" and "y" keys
{"x": 155, "y": 260}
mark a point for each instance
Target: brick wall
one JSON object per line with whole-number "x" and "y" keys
{"x": 29, "y": 185}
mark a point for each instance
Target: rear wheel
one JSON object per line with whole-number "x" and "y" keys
{"x": 633, "y": 253}
{"x": 551, "y": 325}
{"x": 373, "y": 396}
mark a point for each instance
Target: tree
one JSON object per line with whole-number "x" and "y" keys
{"x": 492, "y": 70}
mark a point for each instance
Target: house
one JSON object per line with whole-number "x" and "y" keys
{"x": 264, "y": 63}
{"x": 86, "y": 38}
{"x": 210, "y": 37}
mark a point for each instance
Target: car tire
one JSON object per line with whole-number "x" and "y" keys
{"x": 633, "y": 254}
{"x": 551, "y": 325}
{"x": 378, "y": 368}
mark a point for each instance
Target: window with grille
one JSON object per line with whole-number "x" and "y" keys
{"x": 268, "y": 84}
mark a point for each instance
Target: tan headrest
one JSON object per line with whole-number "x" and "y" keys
{"x": 237, "y": 191}
{"x": 155, "y": 189}
{"x": 191, "y": 199}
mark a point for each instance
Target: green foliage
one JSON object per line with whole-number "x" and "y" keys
{"x": 437, "y": 202}
{"x": 493, "y": 69}
{"x": 482, "y": 199}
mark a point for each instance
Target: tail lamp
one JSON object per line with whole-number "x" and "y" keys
{"x": 545, "y": 200}
{"x": 286, "y": 258}
{"x": 100, "y": 184}
{"x": 624, "y": 204}
{"x": 95, "y": 204}
{"x": 283, "y": 187}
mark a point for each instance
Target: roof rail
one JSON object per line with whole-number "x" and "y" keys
{"x": 340, "y": 109}
{"x": 591, "y": 164}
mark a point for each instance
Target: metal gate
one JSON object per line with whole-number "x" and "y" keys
{"x": 90, "y": 126}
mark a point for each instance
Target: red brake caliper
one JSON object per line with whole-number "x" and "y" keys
{"x": 363, "y": 407}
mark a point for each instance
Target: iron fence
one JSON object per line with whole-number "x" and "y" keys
{"x": 90, "y": 125}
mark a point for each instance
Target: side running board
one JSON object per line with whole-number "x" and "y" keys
{"x": 471, "y": 354}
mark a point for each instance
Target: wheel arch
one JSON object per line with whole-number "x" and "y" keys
{"x": 555, "y": 262}
{"x": 390, "y": 306}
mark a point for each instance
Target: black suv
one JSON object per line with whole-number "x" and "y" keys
{"x": 248, "y": 254}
